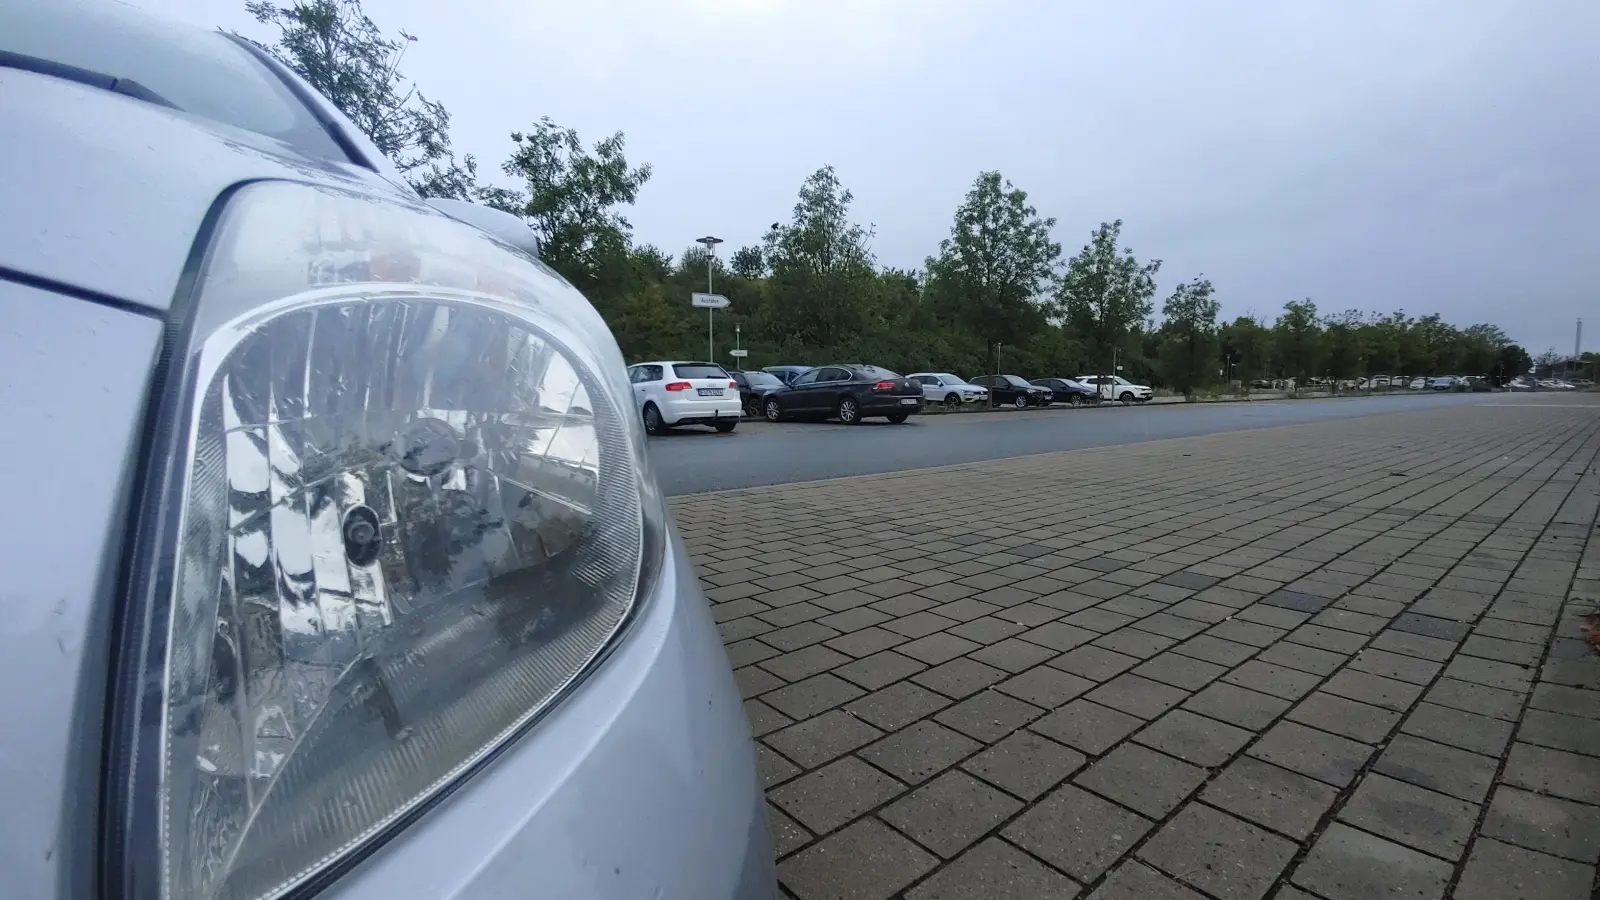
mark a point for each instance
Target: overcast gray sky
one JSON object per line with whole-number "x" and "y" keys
{"x": 1427, "y": 155}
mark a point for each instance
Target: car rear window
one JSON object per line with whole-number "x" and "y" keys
{"x": 874, "y": 372}
{"x": 203, "y": 73}
{"x": 699, "y": 370}
{"x": 762, "y": 379}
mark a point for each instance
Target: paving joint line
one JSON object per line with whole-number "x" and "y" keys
{"x": 1302, "y": 847}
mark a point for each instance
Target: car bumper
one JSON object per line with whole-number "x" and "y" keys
{"x": 699, "y": 411}
{"x": 881, "y": 406}
{"x": 641, "y": 783}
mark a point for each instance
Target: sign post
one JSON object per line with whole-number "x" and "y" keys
{"x": 710, "y": 243}
{"x": 711, "y": 303}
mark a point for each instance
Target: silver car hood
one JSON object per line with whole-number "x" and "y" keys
{"x": 104, "y": 194}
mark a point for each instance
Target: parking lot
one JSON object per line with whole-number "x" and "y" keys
{"x": 694, "y": 459}
{"x": 1321, "y": 654}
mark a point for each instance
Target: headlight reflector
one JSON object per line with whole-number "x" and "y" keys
{"x": 405, "y": 507}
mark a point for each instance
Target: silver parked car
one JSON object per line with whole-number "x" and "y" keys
{"x": 333, "y": 563}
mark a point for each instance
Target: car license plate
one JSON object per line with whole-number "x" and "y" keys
{"x": 709, "y": 392}
{"x": 908, "y": 401}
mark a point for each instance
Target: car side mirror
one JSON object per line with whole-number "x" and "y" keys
{"x": 498, "y": 223}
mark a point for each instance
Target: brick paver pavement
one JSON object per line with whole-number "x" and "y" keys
{"x": 1337, "y": 660}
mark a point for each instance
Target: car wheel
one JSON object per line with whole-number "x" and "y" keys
{"x": 652, "y": 420}
{"x": 1021, "y": 401}
{"x": 849, "y": 411}
{"x": 725, "y": 427}
{"x": 952, "y": 401}
{"x": 1074, "y": 400}
{"x": 898, "y": 418}
{"x": 773, "y": 410}
{"x": 752, "y": 408}
{"x": 1126, "y": 398}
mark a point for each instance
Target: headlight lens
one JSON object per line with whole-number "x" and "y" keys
{"x": 405, "y": 507}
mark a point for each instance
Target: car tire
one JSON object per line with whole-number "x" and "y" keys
{"x": 772, "y": 410}
{"x": 752, "y": 408}
{"x": 849, "y": 411}
{"x": 1126, "y": 398}
{"x": 652, "y": 420}
{"x": 725, "y": 427}
{"x": 1074, "y": 400}
{"x": 952, "y": 401}
{"x": 898, "y": 418}
{"x": 1020, "y": 401}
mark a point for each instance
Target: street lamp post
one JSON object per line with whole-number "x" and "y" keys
{"x": 711, "y": 254}
{"x": 994, "y": 382}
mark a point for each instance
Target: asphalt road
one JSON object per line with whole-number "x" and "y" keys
{"x": 691, "y": 460}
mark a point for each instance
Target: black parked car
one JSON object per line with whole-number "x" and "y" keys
{"x": 1065, "y": 390}
{"x": 845, "y": 392}
{"x": 1014, "y": 390}
{"x": 753, "y": 388}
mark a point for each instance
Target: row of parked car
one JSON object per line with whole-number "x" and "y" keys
{"x": 1525, "y": 383}
{"x": 1466, "y": 383}
{"x": 670, "y": 393}
{"x": 1457, "y": 383}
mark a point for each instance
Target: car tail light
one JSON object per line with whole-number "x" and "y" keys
{"x": 883, "y": 386}
{"x": 679, "y": 386}
{"x": 393, "y": 513}
{"x": 733, "y": 384}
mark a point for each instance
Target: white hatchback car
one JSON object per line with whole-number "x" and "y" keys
{"x": 1115, "y": 387}
{"x": 669, "y": 393}
{"x": 951, "y": 390}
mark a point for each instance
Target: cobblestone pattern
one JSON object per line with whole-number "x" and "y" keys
{"x": 1339, "y": 660}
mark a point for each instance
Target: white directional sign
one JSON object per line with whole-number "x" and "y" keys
{"x": 740, "y": 354}
{"x": 710, "y": 301}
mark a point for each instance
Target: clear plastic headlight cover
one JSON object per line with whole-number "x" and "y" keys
{"x": 402, "y": 507}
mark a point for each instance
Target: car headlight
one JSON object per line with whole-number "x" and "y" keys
{"x": 397, "y": 505}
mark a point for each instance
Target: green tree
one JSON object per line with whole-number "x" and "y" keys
{"x": 1344, "y": 353}
{"x": 648, "y": 326}
{"x": 749, "y": 262}
{"x": 347, "y": 57}
{"x": 998, "y": 264}
{"x": 1589, "y": 365}
{"x": 573, "y": 198}
{"x": 822, "y": 270}
{"x": 1380, "y": 338}
{"x": 1246, "y": 346}
{"x": 1297, "y": 340}
{"x": 1439, "y": 343}
{"x": 1480, "y": 348}
{"x": 1188, "y": 347}
{"x": 1106, "y": 293}
{"x": 624, "y": 270}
